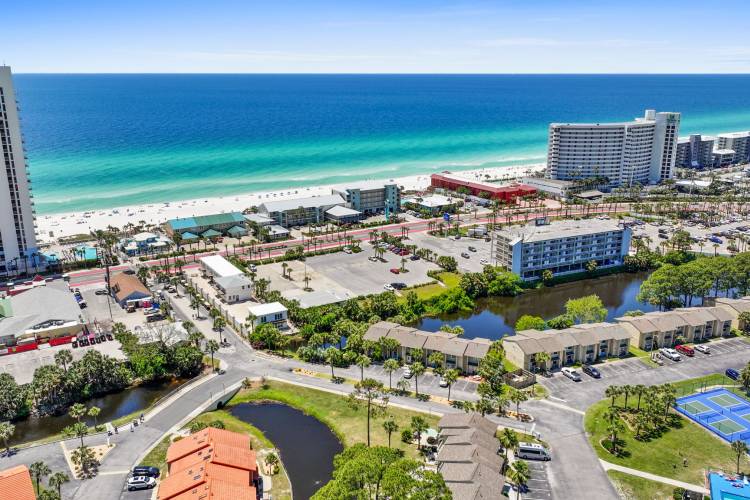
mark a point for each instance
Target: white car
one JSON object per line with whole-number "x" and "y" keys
{"x": 443, "y": 382}
{"x": 141, "y": 483}
{"x": 407, "y": 372}
{"x": 484, "y": 262}
{"x": 571, "y": 374}
{"x": 388, "y": 287}
{"x": 702, "y": 348}
{"x": 670, "y": 354}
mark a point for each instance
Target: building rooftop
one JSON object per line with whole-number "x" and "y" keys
{"x": 232, "y": 281}
{"x": 723, "y": 151}
{"x": 220, "y": 266}
{"x": 259, "y": 219}
{"x": 342, "y": 211}
{"x": 368, "y": 185}
{"x": 206, "y": 220}
{"x": 15, "y": 484}
{"x": 560, "y": 229}
{"x": 265, "y": 309}
{"x": 467, "y": 421}
{"x": 433, "y": 201}
{"x": 735, "y": 135}
{"x": 276, "y": 230}
{"x": 35, "y": 307}
{"x": 309, "y": 202}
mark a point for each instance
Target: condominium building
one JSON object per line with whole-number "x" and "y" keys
{"x": 737, "y": 141}
{"x": 723, "y": 157}
{"x": 301, "y": 211}
{"x": 561, "y": 247}
{"x": 695, "y": 151}
{"x": 643, "y": 150}
{"x": 371, "y": 197}
{"x": 18, "y": 248}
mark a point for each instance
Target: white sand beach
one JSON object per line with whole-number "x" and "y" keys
{"x": 53, "y": 226}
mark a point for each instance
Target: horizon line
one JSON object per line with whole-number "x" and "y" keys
{"x": 377, "y": 73}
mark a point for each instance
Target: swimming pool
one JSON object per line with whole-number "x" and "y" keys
{"x": 723, "y": 488}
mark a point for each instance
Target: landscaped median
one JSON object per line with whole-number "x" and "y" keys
{"x": 642, "y": 431}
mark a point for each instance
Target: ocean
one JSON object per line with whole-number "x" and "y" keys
{"x": 99, "y": 141}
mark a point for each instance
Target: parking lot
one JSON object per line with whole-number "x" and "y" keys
{"x": 651, "y": 230}
{"x": 729, "y": 353}
{"x": 538, "y": 487}
{"x": 454, "y": 248}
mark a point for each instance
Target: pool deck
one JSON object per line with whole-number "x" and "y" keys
{"x": 722, "y": 488}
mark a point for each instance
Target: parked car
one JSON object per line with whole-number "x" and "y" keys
{"x": 443, "y": 382}
{"x": 670, "y": 354}
{"x": 484, "y": 262}
{"x": 407, "y": 372}
{"x": 714, "y": 239}
{"x": 702, "y": 348}
{"x": 398, "y": 285}
{"x": 465, "y": 255}
{"x": 732, "y": 373}
{"x": 414, "y": 257}
{"x": 145, "y": 470}
{"x": 395, "y": 270}
{"x": 101, "y": 291}
{"x": 686, "y": 350}
{"x": 472, "y": 249}
{"x": 141, "y": 483}
{"x": 571, "y": 373}
{"x": 591, "y": 371}
{"x": 532, "y": 451}
{"x": 388, "y": 287}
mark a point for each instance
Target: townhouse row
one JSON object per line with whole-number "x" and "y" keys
{"x": 461, "y": 354}
{"x": 590, "y": 343}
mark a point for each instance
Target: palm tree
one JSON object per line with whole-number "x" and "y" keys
{"x": 639, "y": 389}
{"x": 518, "y": 397}
{"x": 251, "y": 321}
{"x": 518, "y": 475}
{"x": 739, "y": 448}
{"x": 541, "y": 359}
{"x": 6, "y": 432}
{"x": 363, "y": 361}
{"x": 745, "y": 378}
{"x": 450, "y": 378}
{"x": 332, "y": 356}
{"x": 38, "y": 471}
{"x": 417, "y": 369}
{"x": 509, "y": 440}
{"x": 63, "y": 358}
{"x": 418, "y": 426}
{"x": 212, "y": 346}
{"x": 614, "y": 426}
{"x": 94, "y": 412}
{"x": 83, "y": 457}
{"x": 626, "y": 390}
{"x": 57, "y": 480}
{"x": 390, "y": 426}
{"x": 390, "y": 366}
{"x": 612, "y": 392}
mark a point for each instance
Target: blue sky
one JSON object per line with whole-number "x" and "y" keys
{"x": 362, "y": 36}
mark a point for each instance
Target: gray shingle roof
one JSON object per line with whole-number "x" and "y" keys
{"x": 467, "y": 421}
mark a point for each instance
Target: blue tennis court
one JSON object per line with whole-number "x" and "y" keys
{"x": 719, "y": 411}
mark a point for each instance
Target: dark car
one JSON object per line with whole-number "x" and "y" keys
{"x": 591, "y": 371}
{"x": 414, "y": 257}
{"x": 398, "y": 286}
{"x": 732, "y": 373}
{"x": 101, "y": 291}
{"x": 145, "y": 470}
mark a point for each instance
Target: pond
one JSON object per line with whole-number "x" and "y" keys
{"x": 112, "y": 406}
{"x": 306, "y": 445}
{"x": 494, "y": 317}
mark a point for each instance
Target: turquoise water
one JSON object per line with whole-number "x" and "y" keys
{"x": 98, "y": 141}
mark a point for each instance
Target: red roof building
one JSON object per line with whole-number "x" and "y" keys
{"x": 211, "y": 464}
{"x": 15, "y": 484}
{"x": 508, "y": 193}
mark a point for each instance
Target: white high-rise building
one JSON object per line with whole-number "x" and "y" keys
{"x": 643, "y": 150}
{"x": 17, "y": 220}
{"x": 737, "y": 141}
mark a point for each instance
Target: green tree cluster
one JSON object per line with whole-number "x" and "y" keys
{"x": 162, "y": 358}
{"x": 491, "y": 282}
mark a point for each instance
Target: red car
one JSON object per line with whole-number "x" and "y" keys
{"x": 686, "y": 350}
{"x": 395, "y": 270}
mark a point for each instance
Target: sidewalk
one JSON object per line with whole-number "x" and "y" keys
{"x": 653, "y": 477}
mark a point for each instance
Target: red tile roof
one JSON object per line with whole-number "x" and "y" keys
{"x": 15, "y": 484}
{"x": 216, "y": 489}
{"x": 203, "y": 439}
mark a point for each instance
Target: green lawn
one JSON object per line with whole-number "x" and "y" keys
{"x": 350, "y": 425}
{"x": 637, "y": 488}
{"x": 664, "y": 455}
{"x": 425, "y": 292}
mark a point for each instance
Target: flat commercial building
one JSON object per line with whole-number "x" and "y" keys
{"x": 230, "y": 281}
{"x": 18, "y": 247}
{"x": 586, "y": 343}
{"x": 508, "y": 193}
{"x": 555, "y": 187}
{"x": 695, "y": 151}
{"x": 561, "y": 247}
{"x": 641, "y": 151}
{"x": 300, "y": 211}
{"x": 739, "y": 142}
{"x": 371, "y": 197}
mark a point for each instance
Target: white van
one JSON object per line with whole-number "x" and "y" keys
{"x": 532, "y": 451}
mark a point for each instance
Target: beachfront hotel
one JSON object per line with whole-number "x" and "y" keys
{"x": 641, "y": 151}
{"x": 562, "y": 247}
{"x": 371, "y": 197}
{"x": 17, "y": 220}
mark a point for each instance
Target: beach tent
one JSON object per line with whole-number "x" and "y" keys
{"x": 237, "y": 231}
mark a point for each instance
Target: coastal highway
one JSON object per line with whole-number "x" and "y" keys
{"x": 95, "y": 276}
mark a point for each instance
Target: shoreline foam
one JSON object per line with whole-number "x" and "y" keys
{"x": 70, "y": 223}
